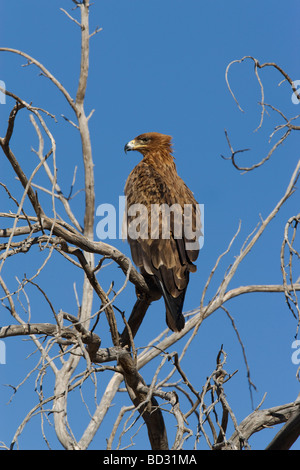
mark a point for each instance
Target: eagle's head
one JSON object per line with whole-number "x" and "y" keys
{"x": 150, "y": 142}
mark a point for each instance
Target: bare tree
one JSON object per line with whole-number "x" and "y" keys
{"x": 69, "y": 345}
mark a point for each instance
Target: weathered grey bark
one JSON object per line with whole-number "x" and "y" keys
{"x": 288, "y": 434}
{"x": 262, "y": 419}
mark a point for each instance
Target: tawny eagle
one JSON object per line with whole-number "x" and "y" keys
{"x": 164, "y": 244}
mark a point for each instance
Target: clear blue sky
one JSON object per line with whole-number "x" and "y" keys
{"x": 160, "y": 66}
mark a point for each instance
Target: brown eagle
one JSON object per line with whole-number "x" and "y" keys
{"x": 163, "y": 222}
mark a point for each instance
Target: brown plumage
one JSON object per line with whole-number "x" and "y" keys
{"x": 158, "y": 249}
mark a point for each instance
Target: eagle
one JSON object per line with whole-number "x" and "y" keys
{"x": 162, "y": 221}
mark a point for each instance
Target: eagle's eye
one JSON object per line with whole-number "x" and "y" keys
{"x": 145, "y": 139}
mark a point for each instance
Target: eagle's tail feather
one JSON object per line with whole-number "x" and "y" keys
{"x": 174, "y": 305}
{"x": 175, "y": 323}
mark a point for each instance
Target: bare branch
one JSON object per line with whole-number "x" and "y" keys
{"x": 288, "y": 434}
{"x": 263, "y": 105}
{"x": 71, "y": 17}
{"x": 261, "y": 419}
{"x": 46, "y": 72}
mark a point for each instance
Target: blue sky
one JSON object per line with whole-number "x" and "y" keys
{"x": 160, "y": 66}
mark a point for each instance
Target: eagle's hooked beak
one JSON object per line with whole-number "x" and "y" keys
{"x": 129, "y": 146}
